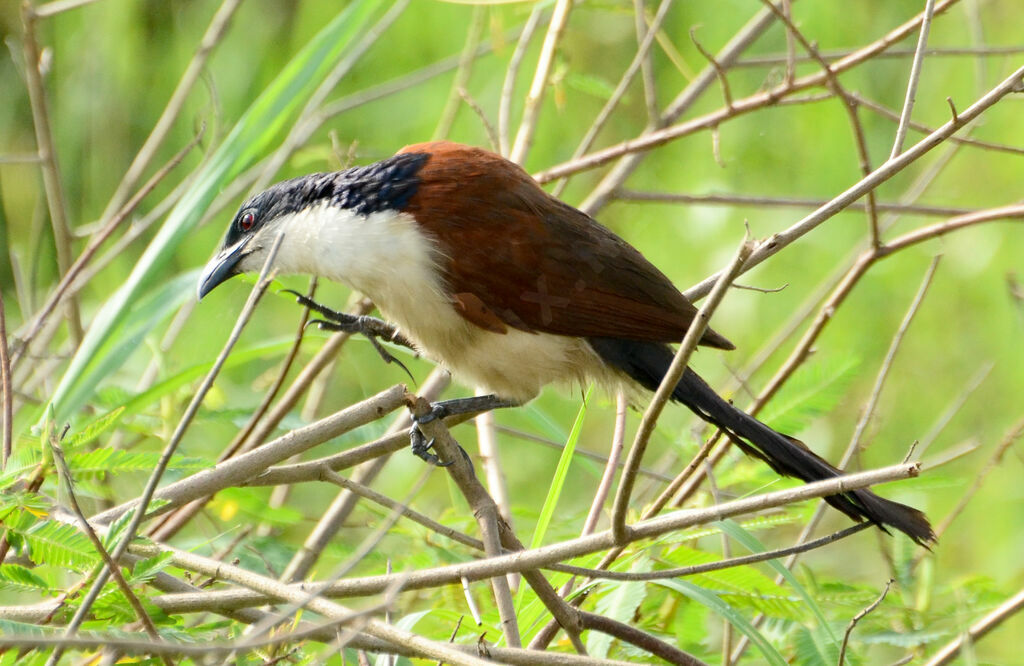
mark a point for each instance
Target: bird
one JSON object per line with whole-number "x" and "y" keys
{"x": 508, "y": 287}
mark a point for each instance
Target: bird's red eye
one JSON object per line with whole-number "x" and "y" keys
{"x": 246, "y": 222}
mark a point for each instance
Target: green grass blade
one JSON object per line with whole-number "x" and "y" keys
{"x": 751, "y": 543}
{"x": 251, "y": 136}
{"x": 711, "y": 600}
{"x": 561, "y": 472}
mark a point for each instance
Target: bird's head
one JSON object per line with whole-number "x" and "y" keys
{"x": 310, "y": 210}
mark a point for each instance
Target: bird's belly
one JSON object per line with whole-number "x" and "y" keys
{"x": 514, "y": 365}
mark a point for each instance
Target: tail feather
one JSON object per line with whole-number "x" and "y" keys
{"x": 647, "y": 362}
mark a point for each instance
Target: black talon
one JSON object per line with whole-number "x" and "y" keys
{"x": 342, "y": 321}
{"x": 421, "y": 448}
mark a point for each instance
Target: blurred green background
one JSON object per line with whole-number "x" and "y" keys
{"x": 111, "y": 66}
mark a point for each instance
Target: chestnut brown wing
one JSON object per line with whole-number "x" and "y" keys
{"x": 524, "y": 259}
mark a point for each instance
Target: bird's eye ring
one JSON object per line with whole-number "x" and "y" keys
{"x": 246, "y": 222}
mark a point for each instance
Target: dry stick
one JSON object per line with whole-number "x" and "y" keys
{"x": 1004, "y": 445}
{"x": 849, "y": 105}
{"x": 179, "y": 432}
{"x": 883, "y": 371}
{"x": 97, "y": 240}
{"x": 531, "y": 107}
{"x": 326, "y": 633}
{"x": 108, "y": 563}
{"x": 647, "y": 74}
{"x": 301, "y": 595}
{"x": 215, "y": 32}
{"x": 858, "y": 617}
{"x": 1006, "y": 610}
{"x": 546, "y": 556}
{"x": 345, "y": 502}
{"x": 642, "y": 53}
{"x": 485, "y": 510}
{"x": 243, "y": 468}
{"x": 651, "y": 139}
{"x": 780, "y": 202}
{"x": 462, "y": 74}
{"x": 308, "y": 117}
{"x": 728, "y": 563}
{"x": 490, "y": 459}
{"x": 887, "y": 170}
{"x": 925, "y": 129}
{"x": 627, "y": 164}
{"x": 665, "y": 389}
{"x": 5, "y": 388}
{"x": 608, "y": 477}
{"x": 772, "y": 60}
{"x": 249, "y": 439}
{"x": 509, "y": 85}
{"x": 55, "y": 199}
{"x": 368, "y": 493}
{"x": 914, "y": 78}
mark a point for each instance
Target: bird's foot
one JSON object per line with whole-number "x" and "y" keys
{"x": 370, "y": 327}
{"x": 421, "y": 446}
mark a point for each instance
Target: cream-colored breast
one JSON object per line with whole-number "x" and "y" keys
{"x": 385, "y": 256}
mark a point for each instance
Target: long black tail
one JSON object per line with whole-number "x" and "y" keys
{"x": 647, "y": 363}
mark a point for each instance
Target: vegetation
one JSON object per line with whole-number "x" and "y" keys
{"x": 884, "y": 329}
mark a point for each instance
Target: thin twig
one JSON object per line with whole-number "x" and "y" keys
{"x": 858, "y": 617}
{"x": 5, "y": 388}
{"x": 531, "y": 108}
{"x": 466, "y": 59}
{"x": 55, "y": 198}
{"x": 511, "y": 73}
{"x": 913, "y": 79}
{"x": 165, "y": 457}
{"x": 109, "y": 564}
{"x": 214, "y": 34}
{"x": 979, "y": 629}
{"x": 780, "y": 202}
{"x": 667, "y": 386}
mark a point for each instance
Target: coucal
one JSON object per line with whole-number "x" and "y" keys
{"x": 508, "y": 287}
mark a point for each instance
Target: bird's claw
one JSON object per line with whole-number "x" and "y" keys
{"x": 421, "y": 448}
{"x": 342, "y": 321}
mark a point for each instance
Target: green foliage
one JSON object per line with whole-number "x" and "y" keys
{"x": 815, "y": 390}
{"x": 110, "y": 66}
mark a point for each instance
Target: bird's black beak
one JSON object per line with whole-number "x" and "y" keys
{"x": 221, "y": 267}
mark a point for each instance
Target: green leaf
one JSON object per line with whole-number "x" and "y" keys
{"x": 712, "y": 601}
{"x": 813, "y": 391}
{"x": 93, "y": 430}
{"x": 119, "y": 461}
{"x": 251, "y": 136}
{"x": 60, "y": 544}
{"x": 17, "y": 578}
{"x": 751, "y": 543}
{"x": 619, "y": 603}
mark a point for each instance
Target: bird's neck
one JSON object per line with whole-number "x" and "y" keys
{"x": 383, "y": 255}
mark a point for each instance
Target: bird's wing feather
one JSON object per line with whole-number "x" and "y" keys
{"x": 529, "y": 261}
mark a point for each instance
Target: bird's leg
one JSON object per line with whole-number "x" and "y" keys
{"x": 371, "y": 327}
{"x": 444, "y": 408}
